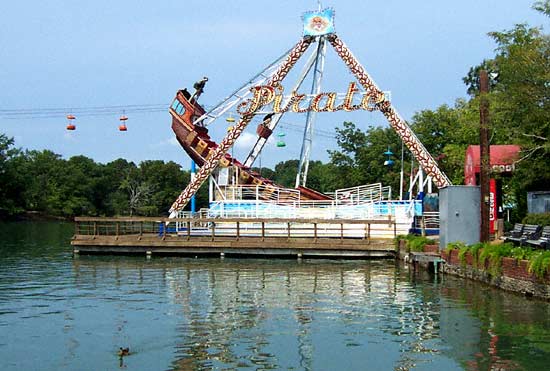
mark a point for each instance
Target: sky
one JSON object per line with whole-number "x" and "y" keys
{"x": 59, "y": 57}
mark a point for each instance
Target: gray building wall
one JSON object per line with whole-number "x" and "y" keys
{"x": 538, "y": 202}
{"x": 459, "y": 213}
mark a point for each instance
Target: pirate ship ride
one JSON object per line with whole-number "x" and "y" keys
{"x": 250, "y": 214}
{"x": 235, "y": 187}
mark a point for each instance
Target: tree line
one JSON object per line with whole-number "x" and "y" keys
{"x": 44, "y": 182}
{"x": 520, "y": 114}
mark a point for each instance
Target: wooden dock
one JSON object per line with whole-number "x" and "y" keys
{"x": 236, "y": 236}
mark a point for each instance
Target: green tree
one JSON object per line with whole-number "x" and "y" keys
{"x": 42, "y": 181}
{"x": 166, "y": 181}
{"x": 523, "y": 96}
{"x": 11, "y": 201}
{"x": 446, "y": 133}
{"x": 77, "y": 186}
{"x": 115, "y": 198}
{"x": 542, "y": 6}
{"x": 362, "y": 158}
{"x": 285, "y": 173}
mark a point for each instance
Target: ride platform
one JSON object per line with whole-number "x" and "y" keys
{"x": 235, "y": 237}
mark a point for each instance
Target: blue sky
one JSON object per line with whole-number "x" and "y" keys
{"x": 63, "y": 54}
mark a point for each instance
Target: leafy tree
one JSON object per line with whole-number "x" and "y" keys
{"x": 542, "y": 6}
{"x": 523, "y": 57}
{"x": 10, "y": 188}
{"x": 319, "y": 177}
{"x": 41, "y": 171}
{"x": 166, "y": 180}
{"x": 446, "y": 133}
{"x": 362, "y": 158}
{"x": 77, "y": 183}
{"x": 352, "y": 141}
{"x": 115, "y": 198}
{"x": 285, "y": 173}
{"x": 43, "y": 181}
{"x": 472, "y": 78}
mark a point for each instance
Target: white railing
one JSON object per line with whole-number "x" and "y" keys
{"x": 363, "y": 202}
{"x": 403, "y": 210}
{"x": 260, "y": 192}
{"x": 428, "y": 220}
{"x": 286, "y": 196}
{"x": 362, "y": 194}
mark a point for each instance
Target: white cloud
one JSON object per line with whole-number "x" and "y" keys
{"x": 172, "y": 141}
{"x": 246, "y": 141}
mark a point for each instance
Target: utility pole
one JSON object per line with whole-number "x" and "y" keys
{"x": 484, "y": 154}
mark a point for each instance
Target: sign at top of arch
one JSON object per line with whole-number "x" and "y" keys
{"x": 318, "y": 23}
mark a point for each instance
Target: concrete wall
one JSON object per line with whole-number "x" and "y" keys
{"x": 459, "y": 213}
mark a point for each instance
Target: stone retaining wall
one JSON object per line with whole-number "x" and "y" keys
{"x": 514, "y": 275}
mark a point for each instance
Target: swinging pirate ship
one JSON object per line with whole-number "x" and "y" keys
{"x": 236, "y": 190}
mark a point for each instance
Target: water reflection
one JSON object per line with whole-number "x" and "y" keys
{"x": 202, "y": 314}
{"x": 284, "y": 314}
{"x": 513, "y": 332}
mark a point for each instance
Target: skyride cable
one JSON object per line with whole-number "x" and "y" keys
{"x": 45, "y": 113}
{"x": 101, "y": 111}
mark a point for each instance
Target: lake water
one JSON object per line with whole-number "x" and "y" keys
{"x": 63, "y": 313}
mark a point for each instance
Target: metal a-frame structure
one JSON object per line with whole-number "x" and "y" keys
{"x": 272, "y": 76}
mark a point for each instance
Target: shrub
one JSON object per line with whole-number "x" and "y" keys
{"x": 417, "y": 243}
{"x": 539, "y": 263}
{"x": 521, "y": 253}
{"x": 494, "y": 253}
{"x": 462, "y": 254}
{"x": 454, "y": 246}
{"x": 539, "y": 260}
{"x": 474, "y": 250}
{"x": 414, "y": 243}
{"x": 537, "y": 219}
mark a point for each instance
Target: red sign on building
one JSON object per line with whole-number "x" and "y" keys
{"x": 502, "y": 161}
